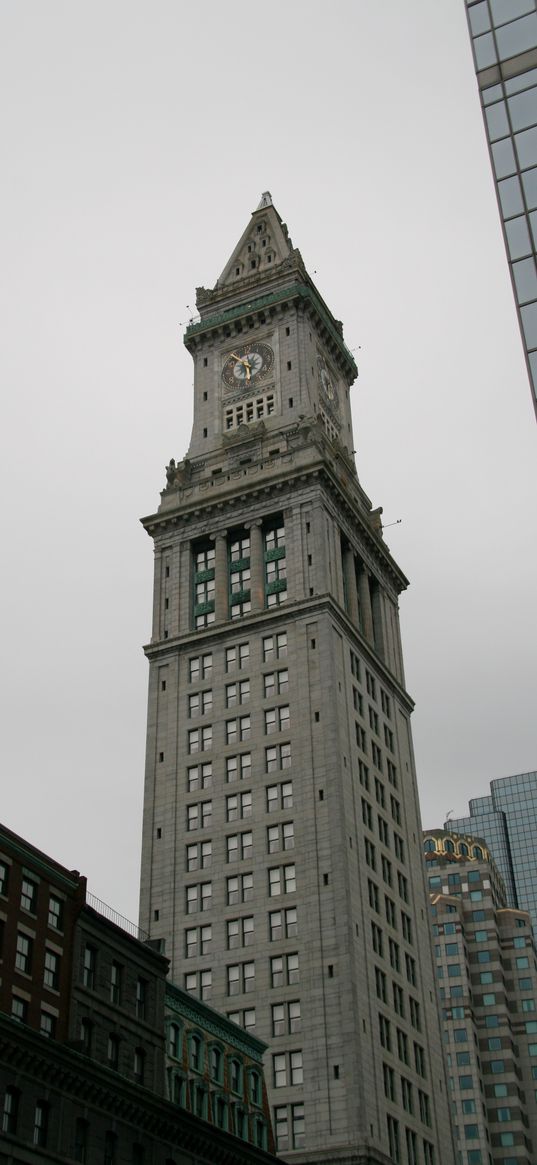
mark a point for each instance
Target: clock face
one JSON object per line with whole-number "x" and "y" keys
{"x": 247, "y": 364}
{"x": 328, "y": 383}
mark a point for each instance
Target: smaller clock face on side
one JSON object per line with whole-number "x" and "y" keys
{"x": 328, "y": 383}
{"x": 247, "y": 364}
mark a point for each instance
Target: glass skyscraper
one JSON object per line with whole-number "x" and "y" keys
{"x": 504, "y": 43}
{"x": 507, "y": 821}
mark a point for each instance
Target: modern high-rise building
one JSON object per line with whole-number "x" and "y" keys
{"x": 507, "y": 819}
{"x": 487, "y": 981}
{"x": 282, "y": 854}
{"x": 504, "y": 44}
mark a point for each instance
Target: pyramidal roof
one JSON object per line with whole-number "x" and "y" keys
{"x": 264, "y": 245}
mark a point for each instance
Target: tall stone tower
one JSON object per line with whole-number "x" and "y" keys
{"x": 282, "y": 857}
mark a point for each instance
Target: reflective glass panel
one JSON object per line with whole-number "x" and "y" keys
{"x": 523, "y": 108}
{"x": 510, "y": 197}
{"x": 504, "y": 157}
{"x": 517, "y": 37}
{"x": 479, "y": 18}
{"x": 503, "y": 10}
{"x": 498, "y": 125}
{"x": 529, "y": 324}
{"x": 525, "y": 280}
{"x": 533, "y": 221}
{"x": 522, "y": 81}
{"x": 529, "y": 182}
{"x": 485, "y": 52}
{"x": 526, "y": 148}
{"x": 518, "y": 237}
{"x": 493, "y": 93}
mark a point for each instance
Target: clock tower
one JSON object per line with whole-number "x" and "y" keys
{"x": 281, "y": 854}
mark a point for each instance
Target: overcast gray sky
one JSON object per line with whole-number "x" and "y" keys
{"x": 136, "y": 139}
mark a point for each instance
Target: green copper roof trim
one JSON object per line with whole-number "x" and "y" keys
{"x": 300, "y": 289}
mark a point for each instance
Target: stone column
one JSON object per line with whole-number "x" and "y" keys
{"x": 221, "y": 577}
{"x": 365, "y": 604}
{"x": 186, "y": 597}
{"x": 379, "y": 620}
{"x": 350, "y": 584}
{"x": 257, "y": 566}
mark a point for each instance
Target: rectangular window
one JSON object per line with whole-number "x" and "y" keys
{"x": 279, "y": 796}
{"x": 284, "y": 970}
{"x": 199, "y": 815}
{"x": 200, "y": 776}
{"x": 239, "y": 846}
{"x": 48, "y": 1025}
{"x": 274, "y": 647}
{"x": 19, "y": 1009}
{"x": 277, "y": 719}
{"x": 275, "y": 564}
{"x": 237, "y": 693}
{"x": 200, "y": 703}
{"x": 204, "y": 585}
{"x": 283, "y": 924}
{"x": 237, "y": 657}
{"x": 200, "y": 667}
{"x": 197, "y": 941}
{"x": 23, "y": 956}
{"x": 29, "y": 895}
{"x": 277, "y": 757}
{"x": 51, "y": 977}
{"x": 55, "y": 912}
{"x": 238, "y": 805}
{"x": 240, "y": 932}
{"x": 275, "y": 683}
{"x": 239, "y": 575}
{"x": 282, "y": 880}
{"x": 199, "y": 983}
{"x": 238, "y": 729}
{"x": 200, "y": 739}
{"x": 280, "y": 837}
{"x": 116, "y": 982}
{"x": 199, "y": 856}
{"x": 199, "y": 897}
{"x": 239, "y": 767}
{"x": 4, "y": 879}
{"x": 90, "y": 965}
{"x": 239, "y": 889}
{"x": 240, "y": 978}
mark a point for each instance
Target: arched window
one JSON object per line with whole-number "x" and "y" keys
{"x": 235, "y": 1075}
{"x": 81, "y": 1140}
{"x": 216, "y": 1064}
{"x": 11, "y": 1110}
{"x": 260, "y": 1133}
{"x": 448, "y": 846}
{"x": 220, "y": 1112}
{"x": 477, "y": 852}
{"x": 139, "y": 1065}
{"x": 254, "y": 1081}
{"x": 110, "y": 1148}
{"x": 86, "y": 1035}
{"x": 429, "y": 845}
{"x": 174, "y": 1041}
{"x": 41, "y": 1122}
{"x": 195, "y": 1052}
{"x": 463, "y": 850}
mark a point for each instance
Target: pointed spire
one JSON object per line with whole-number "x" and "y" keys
{"x": 264, "y": 245}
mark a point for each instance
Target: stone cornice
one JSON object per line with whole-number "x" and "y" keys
{"x": 208, "y": 1020}
{"x": 77, "y": 1076}
{"x": 164, "y": 650}
{"x": 305, "y": 292}
{"x": 216, "y": 509}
